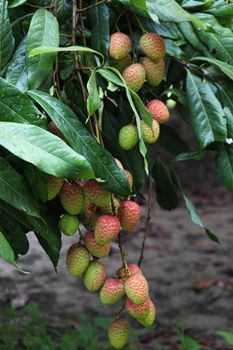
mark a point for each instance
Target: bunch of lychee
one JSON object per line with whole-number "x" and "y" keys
{"x": 151, "y": 69}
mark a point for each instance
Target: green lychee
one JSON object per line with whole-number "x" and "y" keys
{"x": 150, "y": 134}
{"x": 112, "y": 291}
{"x": 107, "y": 227}
{"x": 150, "y": 317}
{"x": 118, "y": 333}
{"x": 54, "y": 186}
{"x": 99, "y": 251}
{"x": 138, "y": 311}
{"x": 94, "y": 276}
{"x": 77, "y": 260}
{"x": 128, "y": 137}
{"x": 134, "y": 76}
{"x": 153, "y": 46}
{"x": 96, "y": 194}
{"x": 68, "y": 224}
{"x": 132, "y": 269}
{"x": 136, "y": 288}
{"x": 129, "y": 215}
{"x": 154, "y": 71}
{"x": 171, "y": 104}
{"x": 120, "y": 45}
{"x": 72, "y": 198}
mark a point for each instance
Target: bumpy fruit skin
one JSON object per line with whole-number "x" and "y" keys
{"x": 99, "y": 251}
{"x": 96, "y": 193}
{"x": 112, "y": 291}
{"x": 128, "y": 137}
{"x": 94, "y": 276}
{"x": 134, "y": 76}
{"x": 122, "y": 64}
{"x": 138, "y": 311}
{"x": 54, "y": 186}
{"x": 118, "y": 333}
{"x": 129, "y": 214}
{"x": 150, "y": 134}
{"x": 136, "y": 288}
{"x": 150, "y": 318}
{"x": 154, "y": 71}
{"x": 77, "y": 260}
{"x": 107, "y": 227}
{"x": 120, "y": 45}
{"x": 129, "y": 177}
{"x": 159, "y": 111}
{"x": 54, "y": 130}
{"x": 133, "y": 268}
{"x": 72, "y": 198}
{"x": 153, "y": 46}
{"x": 171, "y": 104}
{"x": 68, "y": 224}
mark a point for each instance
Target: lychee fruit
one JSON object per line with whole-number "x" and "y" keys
{"x": 171, "y": 104}
{"x": 118, "y": 333}
{"x": 54, "y": 130}
{"x": 54, "y": 186}
{"x": 72, "y": 198}
{"x": 129, "y": 215}
{"x": 97, "y": 250}
{"x": 96, "y": 193}
{"x": 134, "y": 76}
{"x": 120, "y": 45}
{"x": 77, "y": 260}
{"x": 132, "y": 269}
{"x": 159, "y": 111}
{"x": 153, "y": 46}
{"x": 112, "y": 208}
{"x": 128, "y": 137}
{"x": 112, "y": 291}
{"x": 150, "y": 134}
{"x": 150, "y": 317}
{"x": 154, "y": 71}
{"x": 136, "y": 288}
{"x": 122, "y": 64}
{"x": 129, "y": 177}
{"x": 138, "y": 311}
{"x": 107, "y": 227}
{"x": 94, "y": 276}
{"x": 68, "y": 224}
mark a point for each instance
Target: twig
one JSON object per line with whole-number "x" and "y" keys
{"x": 90, "y": 6}
{"x": 124, "y": 263}
{"x": 148, "y": 217}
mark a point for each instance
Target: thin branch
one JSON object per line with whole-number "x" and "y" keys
{"x": 90, "y": 6}
{"x": 148, "y": 217}
{"x": 124, "y": 263}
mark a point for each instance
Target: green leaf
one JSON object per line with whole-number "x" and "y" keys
{"x": 188, "y": 343}
{"x": 198, "y": 156}
{"x": 93, "y": 100}
{"x": 224, "y": 165}
{"x": 43, "y": 31}
{"x": 206, "y": 114}
{"x": 171, "y": 141}
{"x": 164, "y": 186}
{"x": 37, "y": 180}
{"x": 7, "y": 41}
{"x": 221, "y": 8}
{"x": 16, "y": 107}
{"x": 6, "y": 252}
{"x": 228, "y": 336}
{"x": 80, "y": 140}
{"x": 99, "y": 20}
{"x": 16, "y": 72}
{"x": 16, "y": 3}
{"x": 43, "y": 149}
{"x": 224, "y": 67}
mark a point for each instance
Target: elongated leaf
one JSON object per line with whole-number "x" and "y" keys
{"x": 206, "y": 114}
{"x": 43, "y": 149}
{"x": 16, "y": 3}
{"x": 80, "y": 140}
{"x": 228, "y": 336}
{"x": 223, "y": 66}
{"x": 6, "y": 252}
{"x": 221, "y": 8}
{"x": 43, "y": 31}
{"x": 99, "y": 20}
{"x": 16, "y": 107}
{"x": 16, "y": 72}
{"x": 93, "y": 101}
{"x": 198, "y": 156}
{"x": 7, "y": 41}
{"x": 171, "y": 141}
{"x": 224, "y": 165}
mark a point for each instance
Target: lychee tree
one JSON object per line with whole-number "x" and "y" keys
{"x": 86, "y": 90}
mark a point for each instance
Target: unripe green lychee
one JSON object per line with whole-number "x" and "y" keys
{"x": 120, "y": 45}
{"x": 154, "y": 71}
{"x": 99, "y": 251}
{"x": 159, "y": 111}
{"x": 94, "y": 276}
{"x": 129, "y": 215}
{"x": 72, "y": 198}
{"x": 128, "y": 137}
{"x": 54, "y": 130}
{"x": 136, "y": 288}
{"x": 150, "y": 318}
{"x": 138, "y": 311}
{"x": 107, "y": 227}
{"x": 68, "y": 224}
{"x": 129, "y": 177}
{"x": 134, "y": 76}
{"x": 150, "y": 134}
{"x": 122, "y": 64}
{"x": 112, "y": 291}
{"x": 112, "y": 208}
{"x": 54, "y": 186}
{"x": 171, "y": 104}
{"x": 96, "y": 193}
{"x": 153, "y": 46}
{"x": 118, "y": 333}
{"x": 132, "y": 269}
{"x": 77, "y": 260}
